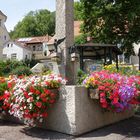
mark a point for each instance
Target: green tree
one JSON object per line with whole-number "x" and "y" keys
{"x": 78, "y": 11}
{"x": 81, "y": 39}
{"x": 113, "y": 21}
{"x": 35, "y": 23}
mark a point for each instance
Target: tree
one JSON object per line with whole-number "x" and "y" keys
{"x": 113, "y": 21}
{"x": 35, "y": 23}
{"x": 78, "y": 11}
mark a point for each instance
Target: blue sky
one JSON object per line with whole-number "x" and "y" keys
{"x": 17, "y": 9}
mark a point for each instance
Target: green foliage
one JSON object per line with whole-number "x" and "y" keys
{"x": 31, "y": 63}
{"x": 113, "y": 21}
{"x": 78, "y": 11}
{"x": 80, "y": 77}
{"x": 7, "y": 66}
{"x": 81, "y": 39}
{"x": 35, "y": 23}
{"x": 124, "y": 69}
{"x": 21, "y": 70}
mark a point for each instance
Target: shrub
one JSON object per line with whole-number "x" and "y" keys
{"x": 7, "y": 66}
{"x": 21, "y": 70}
{"x": 81, "y": 75}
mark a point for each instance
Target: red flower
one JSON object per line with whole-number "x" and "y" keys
{"x": 102, "y": 94}
{"x": 37, "y": 92}
{"x": 115, "y": 100}
{"x": 35, "y": 114}
{"x": 10, "y": 85}
{"x": 101, "y": 87}
{"x": 38, "y": 104}
{"x": 42, "y": 95}
{"x": 52, "y": 101}
{"x": 47, "y": 83}
{"x": 26, "y": 94}
{"x": 32, "y": 89}
{"x": 53, "y": 95}
{"x": 104, "y": 105}
{"x": 47, "y": 92}
{"x": 44, "y": 99}
{"x": 45, "y": 114}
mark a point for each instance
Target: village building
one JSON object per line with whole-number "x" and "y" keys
{"x": 4, "y": 36}
{"x": 16, "y": 51}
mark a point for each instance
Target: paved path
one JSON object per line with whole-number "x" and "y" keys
{"x": 124, "y": 130}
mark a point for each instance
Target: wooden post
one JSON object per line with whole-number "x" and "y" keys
{"x": 110, "y": 55}
{"x": 105, "y": 56}
{"x": 117, "y": 67}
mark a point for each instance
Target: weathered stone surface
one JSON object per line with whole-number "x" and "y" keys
{"x": 65, "y": 28}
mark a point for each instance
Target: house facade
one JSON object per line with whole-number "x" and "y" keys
{"x": 16, "y": 51}
{"x": 4, "y": 36}
{"x": 35, "y": 45}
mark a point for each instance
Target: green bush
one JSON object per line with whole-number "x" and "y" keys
{"x": 21, "y": 70}
{"x": 80, "y": 77}
{"x": 8, "y": 65}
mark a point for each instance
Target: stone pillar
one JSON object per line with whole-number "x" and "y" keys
{"x": 65, "y": 28}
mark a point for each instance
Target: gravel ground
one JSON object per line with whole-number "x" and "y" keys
{"x": 125, "y": 130}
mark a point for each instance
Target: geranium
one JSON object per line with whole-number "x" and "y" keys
{"x": 31, "y": 97}
{"x": 4, "y": 86}
{"x": 116, "y": 92}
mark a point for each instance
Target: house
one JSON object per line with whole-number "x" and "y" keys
{"x": 35, "y": 44}
{"x": 4, "y": 36}
{"x": 16, "y": 51}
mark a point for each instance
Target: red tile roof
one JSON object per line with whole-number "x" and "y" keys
{"x": 32, "y": 40}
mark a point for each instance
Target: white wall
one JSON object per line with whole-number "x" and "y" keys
{"x": 11, "y": 48}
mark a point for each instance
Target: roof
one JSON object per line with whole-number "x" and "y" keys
{"x": 100, "y": 46}
{"x": 1, "y": 13}
{"x": 20, "y": 44}
{"x": 33, "y": 40}
{"x": 77, "y": 32}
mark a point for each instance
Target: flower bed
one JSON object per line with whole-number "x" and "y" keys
{"x": 117, "y": 93}
{"x": 30, "y": 98}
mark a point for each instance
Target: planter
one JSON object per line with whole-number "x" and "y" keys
{"x": 75, "y": 113}
{"x": 93, "y": 93}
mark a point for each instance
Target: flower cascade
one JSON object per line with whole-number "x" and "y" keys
{"x": 31, "y": 97}
{"x": 116, "y": 92}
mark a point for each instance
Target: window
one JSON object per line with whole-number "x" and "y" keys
{"x": 4, "y": 56}
{"x": 8, "y": 45}
{"x": 5, "y": 37}
{"x": 33, "y": 48}
{"x": 26, "y": 56}
{"x": 13, "y": 56}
